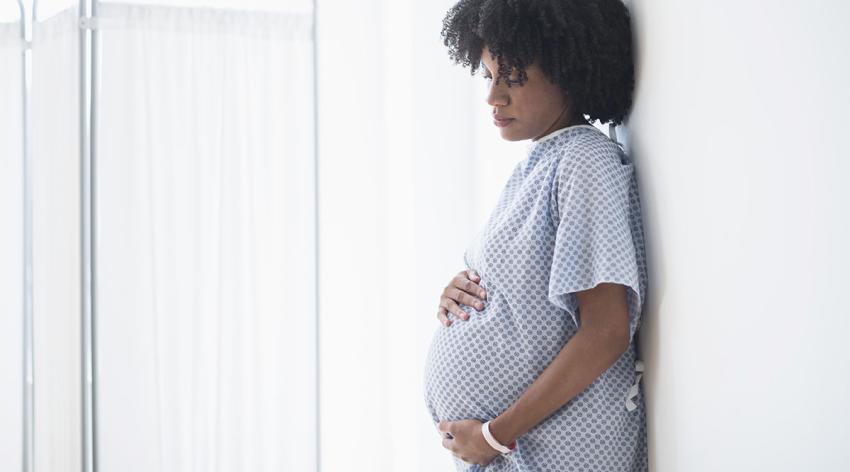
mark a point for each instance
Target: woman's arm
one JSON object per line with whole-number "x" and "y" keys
{"x": 601, "y": 339}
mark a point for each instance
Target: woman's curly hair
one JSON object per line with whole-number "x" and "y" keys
{"x": 584, "y": 46}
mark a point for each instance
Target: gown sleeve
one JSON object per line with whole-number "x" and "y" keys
{"x": 593, "y": 240}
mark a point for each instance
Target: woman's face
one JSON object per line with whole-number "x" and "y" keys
{"x": 530, "y": 111}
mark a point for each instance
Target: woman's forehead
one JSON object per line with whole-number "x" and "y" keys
{"x": 529, "y": 69}
{"x": 486, "y": 53}
{"x": 486, "y": 56}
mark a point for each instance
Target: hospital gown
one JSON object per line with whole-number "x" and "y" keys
{"x": 568, "y": 218}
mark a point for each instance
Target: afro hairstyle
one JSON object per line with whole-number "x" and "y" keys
{"x": 583, "y": 46}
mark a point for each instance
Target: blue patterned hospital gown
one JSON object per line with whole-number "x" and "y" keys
{"x": 568, "y": 218}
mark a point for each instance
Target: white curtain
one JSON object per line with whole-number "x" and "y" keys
{"x": 11, "y": 244}
{"x": 205, "y": 305}
{"x": 410, "y": 167}
{"x": 56, "y": 242}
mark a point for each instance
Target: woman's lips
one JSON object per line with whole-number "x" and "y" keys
{"x": 501, "y": 123}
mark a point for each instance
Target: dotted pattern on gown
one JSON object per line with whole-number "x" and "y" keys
{"x": 568, "y": 218}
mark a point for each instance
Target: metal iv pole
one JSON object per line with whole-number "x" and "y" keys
{"x": 88, "y": 127}
{"x": 28, "y": 449}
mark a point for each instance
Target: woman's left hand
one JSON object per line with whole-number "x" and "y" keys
{"x": 467, "y": 441}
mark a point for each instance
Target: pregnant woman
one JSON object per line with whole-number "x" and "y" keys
{"x": 534, "y": 367}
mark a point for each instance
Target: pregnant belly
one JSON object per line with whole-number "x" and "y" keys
{"x": 479, "y": 367}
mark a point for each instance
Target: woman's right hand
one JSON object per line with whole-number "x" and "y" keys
{"x": 464, "y": 289}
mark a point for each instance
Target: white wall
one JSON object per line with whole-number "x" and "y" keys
{"x": 739, "y": 134}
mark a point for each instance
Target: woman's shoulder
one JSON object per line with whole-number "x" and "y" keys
{"x": 591, "y": 150}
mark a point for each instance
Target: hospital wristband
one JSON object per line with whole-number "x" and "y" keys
{"x": 488, "y": 436}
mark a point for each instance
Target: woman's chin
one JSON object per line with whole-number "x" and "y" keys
{"x": 511, "y": 135}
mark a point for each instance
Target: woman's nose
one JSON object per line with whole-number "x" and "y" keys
{"x": 496, "y": 96}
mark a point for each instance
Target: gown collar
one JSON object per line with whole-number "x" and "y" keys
{"x": 535, "y": 148}
{"x": 561, "y": 130}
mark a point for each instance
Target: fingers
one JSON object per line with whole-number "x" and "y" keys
{"x": 448, "y": 303}
{"x": 467, "y": 299}
{"x": 443, "y": 427}
{"x": 451, "y": 446}
{"x": 470, "y": 286}
{"x": 463, "y": 289}
{"x": 446, "y": 430}
{"x": 441, "y": 315}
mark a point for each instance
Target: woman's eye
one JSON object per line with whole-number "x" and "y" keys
{"x": 507, "y": 81}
